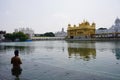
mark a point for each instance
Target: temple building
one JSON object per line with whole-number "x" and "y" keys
{"x": 101, "y": 31}
{"x": 113, "y": 31}
{"x": 27, "y": 31}
{"x": 116, "y": 27}
{"x": 61, "y": 33}
{"x": 83, "y": 30}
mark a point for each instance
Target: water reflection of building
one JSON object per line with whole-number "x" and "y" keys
{"x": 117, "y": 53}
{"x": 85, "y": 51}
{"x": 116, "y": 50}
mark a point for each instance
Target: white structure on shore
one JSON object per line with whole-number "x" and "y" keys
{"x": 61, "y": 33}
{"x": 2, "y": 33}
{"x": 101, "y": 30}
{"x": 116, "y": 27}
{"x": 27, "y": 31}
{"x": 113, "y": 29}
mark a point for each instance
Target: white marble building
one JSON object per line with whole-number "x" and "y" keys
{"x": 61, "y": 33}
{"x": 27, "y": 31}
{"x": 116, "y": 27}
{"x": 2, "y": 33}
{"x": 101, "y": 30}
{"x": 113, "y": 29}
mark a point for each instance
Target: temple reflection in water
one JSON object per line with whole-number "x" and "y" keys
{"x": 116, "y": 50}
{"x": 117, "y": 53}
{"x": 78, "y": 51}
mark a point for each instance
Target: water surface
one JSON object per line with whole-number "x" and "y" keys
{"x": 101, "y": 58}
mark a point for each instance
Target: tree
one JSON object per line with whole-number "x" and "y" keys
{"x": 8, "y": 36}
{"x": 19, "y": 36}
{"x": 49, "y": 34}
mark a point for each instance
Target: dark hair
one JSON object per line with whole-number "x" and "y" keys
{"x": 16, "y": 52}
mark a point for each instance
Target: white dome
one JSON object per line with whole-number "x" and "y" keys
{"x": 117, "y": 21}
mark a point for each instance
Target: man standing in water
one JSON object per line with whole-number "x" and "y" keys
{"x": 16, "y": 61}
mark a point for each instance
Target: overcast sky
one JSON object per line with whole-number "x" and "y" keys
{"x": 53, "y": 15}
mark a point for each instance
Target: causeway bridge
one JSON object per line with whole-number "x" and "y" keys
{"x": 47, "y": 38}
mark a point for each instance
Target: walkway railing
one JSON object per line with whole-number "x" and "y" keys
{"x": 47, "y": 38}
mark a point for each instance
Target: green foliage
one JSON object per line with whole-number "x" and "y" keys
{"x": 8, "y": 36}
{"x": 16, "y": 36}
{"x": 49, "y": 34}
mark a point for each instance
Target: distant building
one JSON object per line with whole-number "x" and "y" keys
{"x": 61, "y": 33}
{"x": 27, "y": 31}
{"x": 113, "y": 31}
{"x": 83, "y": 30}
{"x": 101, "y": 30}
{"x": 2, "y": 33}
{"x": 116, "y": 27}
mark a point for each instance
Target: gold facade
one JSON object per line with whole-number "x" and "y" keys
{"x": 82, "y": 30}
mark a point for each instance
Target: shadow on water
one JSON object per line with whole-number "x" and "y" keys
{"x": 16, "y": 72}
{"x": 84, "y": 50}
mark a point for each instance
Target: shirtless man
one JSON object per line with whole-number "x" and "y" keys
{"x": 16, "y": 61}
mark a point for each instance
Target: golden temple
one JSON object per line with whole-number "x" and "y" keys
{"x": 83, "y": 30}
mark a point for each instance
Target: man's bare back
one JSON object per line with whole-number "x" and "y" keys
{"x": 16, "y": 61}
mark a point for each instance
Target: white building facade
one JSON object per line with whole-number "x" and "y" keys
{"x": 27, "y": 31}
{"x": 61, "y": 33}
{"x": 112, "y": 32}
{"x": 101, "y": 30}
{"x": 116, "y": 27}
{"x": 2, "y": 33}
{"x": 113, "y": 29}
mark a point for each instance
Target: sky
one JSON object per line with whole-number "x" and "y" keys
{"x": 53, "y": 15}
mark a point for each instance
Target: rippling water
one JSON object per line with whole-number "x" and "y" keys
{"x": 102, "y": 58}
